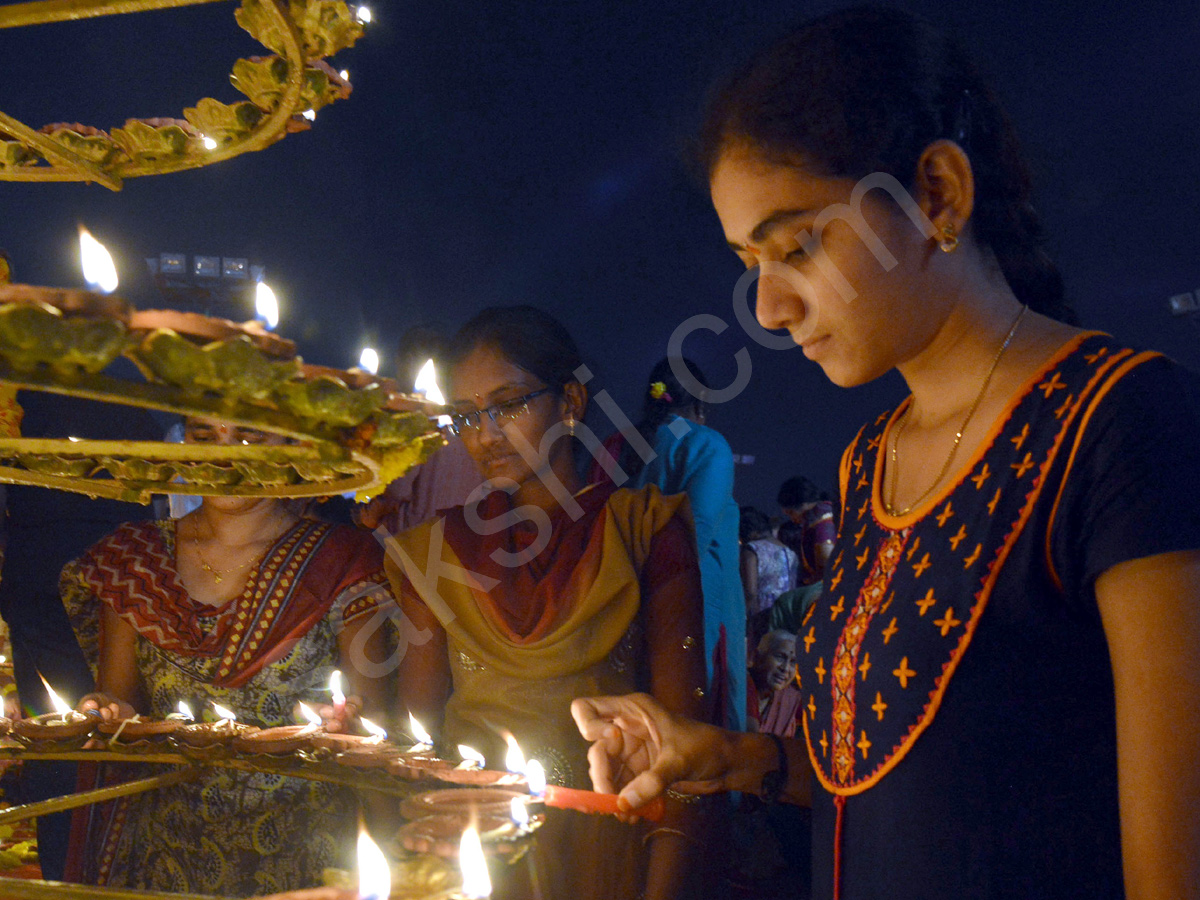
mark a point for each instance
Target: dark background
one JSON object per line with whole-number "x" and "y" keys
{"x": 505, "y": 152}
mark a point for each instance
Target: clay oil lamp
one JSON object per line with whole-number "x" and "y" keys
{"x": 500, "y": 835}
{"x": 211, "y": 738}
{"x": 283, "y": 739}
{"x": 369, "y": 751}
{"x": 137, "y": 733}
{"x": 418, "y": 760}
{"x": 472, "y": 770}
{"x": 63, "y": 729}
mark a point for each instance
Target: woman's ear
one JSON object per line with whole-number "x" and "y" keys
{"x": 574, "y": 398}
{"x": 945, "y": 185}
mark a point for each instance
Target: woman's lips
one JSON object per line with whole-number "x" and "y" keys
{"x": 812, "y": 347}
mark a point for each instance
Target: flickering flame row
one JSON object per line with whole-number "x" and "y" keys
{"x": 309, "y": 714}
{"x": 374, "y": 879}
{"x": 535, "y": 777}
{"x": 185, "y": 711}
{"x": 373, "y": 730}
{"x": 514, "y": 759}
{"x": 335, "y": 688}
{"x": 471, "y": 755}
{"x": 418, "y": 731}
{"x": 226, "y": 714}
{"x": 426, "y": 384}
{"x": 368, "y": 360}
{"x": 60, "y": 706}
{"x": 98, "y": 268}
{"x": 265, "y": 305}
{"x": 476, "y": 881}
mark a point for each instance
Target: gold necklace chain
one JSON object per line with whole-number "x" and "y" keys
{"x": 890, "y": 505}
{"x": 219, "y": 574}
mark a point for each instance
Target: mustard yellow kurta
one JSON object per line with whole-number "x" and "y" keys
{"x": 587, "y": 580}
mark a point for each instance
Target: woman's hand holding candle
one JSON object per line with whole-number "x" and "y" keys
{"x": 343, "y": 717}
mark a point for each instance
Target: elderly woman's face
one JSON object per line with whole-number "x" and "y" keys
{"x": 775, "y": 668}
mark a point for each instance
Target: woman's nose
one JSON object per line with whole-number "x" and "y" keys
{"x": 777, "y": 301}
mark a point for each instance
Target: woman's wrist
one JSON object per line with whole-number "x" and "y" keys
{"x": 750, "y": 758}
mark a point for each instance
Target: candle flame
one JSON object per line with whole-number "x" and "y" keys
{"x": 309, "y": 714}
{"x": 418, "y": 731}
{"x": 426, "y": 384}
{"x": 265, "y": 305}
{"x": 369, "y": 360}
{"x": 476, "y": 881}
{"x": 535, "y": 776}
{"x": 98, "y": 269}
{"x": 374, "y": 879}
{"x": 520, "y": 815}
{"x": 372, "y": 729}
{"x": 225, "y": 713}
{"x": 60, "y": 706}
{"x": 335, "y": 687}
{"x": 471, "y": 755}
{"x": 514, "y": 760}
{"x": 185, "y": 711}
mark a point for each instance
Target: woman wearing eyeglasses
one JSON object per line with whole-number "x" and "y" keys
{"x": 546, "y": 589}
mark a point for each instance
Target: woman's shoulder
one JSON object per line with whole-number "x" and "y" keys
{"x": 133, "y": 537}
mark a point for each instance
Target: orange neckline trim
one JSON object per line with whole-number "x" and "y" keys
{"x": 884, "y": 518}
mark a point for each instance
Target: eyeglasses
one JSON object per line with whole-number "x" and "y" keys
{"x": 504, "y": 411}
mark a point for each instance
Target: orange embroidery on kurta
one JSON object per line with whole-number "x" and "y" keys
{"x": 958, "y": 538}
{"x": 992, "y": 503}
{"x": 864, "y": 745}
{"x": 904, "y": 672}
{"x": 865, "y": 667}
{"x": 1023, "y": 466}
{"x": 919, "y": 568}
{"x": 1054, "y": 384}
{"x": 945, "y": 514}
{"x": 947, "y": 621}
{"x": 927, "y": 601}
{"x": 970, "y": 560}
{"x": 984, "y": 474}
{"x": 879, "y": 706}
{"x": 1019, "y": 440}
{"x": 809, "y": 638}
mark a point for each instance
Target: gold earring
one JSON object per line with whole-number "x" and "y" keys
{"x": 948, "y": 242}
{"x": 571, "y": 426}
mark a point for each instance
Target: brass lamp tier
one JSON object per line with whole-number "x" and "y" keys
{"x": 344, "y": 431}
{"x": 280, "y": 89}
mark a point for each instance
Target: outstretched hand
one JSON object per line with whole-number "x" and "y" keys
{"x": 640, "y": 749}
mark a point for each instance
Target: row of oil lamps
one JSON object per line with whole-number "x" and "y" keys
{"x": 100, "y": 273}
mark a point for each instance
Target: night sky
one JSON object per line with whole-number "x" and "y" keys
{"x": 503, "y": 152}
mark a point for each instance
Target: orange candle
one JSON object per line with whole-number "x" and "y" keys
{"x": 599, "y": 804}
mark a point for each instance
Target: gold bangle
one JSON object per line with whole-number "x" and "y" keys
{"x": 683, "y": 798}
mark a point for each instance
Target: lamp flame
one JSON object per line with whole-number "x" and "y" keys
{"x": 209, "y": 143}
{"x": 224, "y": 713}
{"x": 265, "y": 305}
{"x": 426, "y": 384}
{"x": 335, "y": 687}
{"x": 185, "y": 711}
{"x": 471, "y": 755}
{"x": 476, "y": 881}
{"x": 363, "y": 14}
{"x": 514, "y": 760}
{"x": 309, "y": 714}
{"x": 310, "y": 114}
{"x": 520, "y": 815}
{"x": 60, "y": 706}
{"x": 535, "y": 777}
{"x": 418, "y": 731}
{"x": 98, "y": 269}
{"x": 374, "y": 879}
{"x": 373, "y": 730}
{"x": 369, "y": 360}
